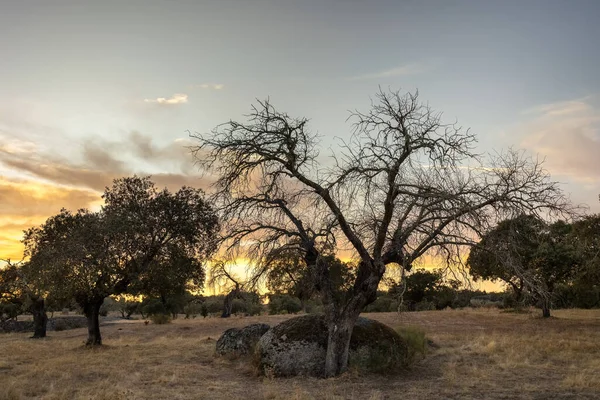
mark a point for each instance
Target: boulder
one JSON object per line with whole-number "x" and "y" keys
{"x": 298, "y": 346}
{"x": 237, "y": 341}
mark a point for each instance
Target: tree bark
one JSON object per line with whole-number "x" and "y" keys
{"x": 40, "y": 318}
{"x": 227, "y": 305}
{"x": 546, "y": 308}
{"x": 92, "y": 313}
{"x": 338, "y": 345}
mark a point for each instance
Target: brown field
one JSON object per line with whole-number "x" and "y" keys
{"x": 479, "y": 354}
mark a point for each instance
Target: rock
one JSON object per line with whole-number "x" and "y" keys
{"x": 237, "y": 341}
{"x": 298, "y": 346}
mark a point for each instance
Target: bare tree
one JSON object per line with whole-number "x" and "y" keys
{"x": 221, "y": 276}
{"x": 403, "y": 185}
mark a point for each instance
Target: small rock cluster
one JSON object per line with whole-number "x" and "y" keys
{"x": 298, "y": 346}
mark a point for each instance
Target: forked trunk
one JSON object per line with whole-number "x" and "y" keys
{"x": 40, "y": 318}
{"x": 92, "y": 313}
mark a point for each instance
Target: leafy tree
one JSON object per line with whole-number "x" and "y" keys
{"x": 526, "y": 253}
{"x": 18, "y": 292}
{"x": 92, "y": 255}
{"x": 403, "y": 185}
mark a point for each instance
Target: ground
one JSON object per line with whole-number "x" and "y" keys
{"x": 478, "y": 354}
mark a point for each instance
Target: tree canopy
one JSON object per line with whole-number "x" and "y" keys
{"x": 142, "y": 240}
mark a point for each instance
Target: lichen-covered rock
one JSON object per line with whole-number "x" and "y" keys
{"x": 298, "y": 347}
{"x": 237, "y": 341}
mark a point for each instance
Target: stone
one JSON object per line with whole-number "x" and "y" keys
{"x": 298, "y": 347}
{"x": 236, "y": 341}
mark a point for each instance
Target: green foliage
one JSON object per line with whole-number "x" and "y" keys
{"x": 152, "y": 306}
{"x": 278, "y": 304}
{"x": 143, "y": 241}
{"x": 127, "y": 307}
{"x": 383, "y": 304}
{"x": 10, "y": 310}
{"x": 204, "y": 310}
{"x": 415, "y": 339}
{"x": 160, "y": 319}
{"x": 192, "y": 309}
{"x": 214, "y": 304}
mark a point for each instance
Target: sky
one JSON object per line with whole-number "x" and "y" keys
{"x": 95, "y": 90}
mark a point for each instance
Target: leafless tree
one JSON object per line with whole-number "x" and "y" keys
{"x": 221, "y": 276}
{"x": 401, "y": 186}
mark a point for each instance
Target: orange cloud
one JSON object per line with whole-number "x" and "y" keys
{"x": 26, "y": 203}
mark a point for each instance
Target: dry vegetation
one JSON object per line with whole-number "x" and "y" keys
{"x": 477, "y": 354}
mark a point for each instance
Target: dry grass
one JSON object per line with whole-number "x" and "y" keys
{"x": 481, "y": 354}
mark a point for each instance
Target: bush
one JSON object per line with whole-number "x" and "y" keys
{"x": 191, "y": 310}
{"x": 424, "y": 306}
{"x": 9, "y": 311}
{"x": 283, "y": 302}
{"x": 382, "y": 304}
{"x": 204, "y": 310}
{"x": 415, "y": 339}
{"x": 214, "y": 305}
{"x": 160, "y": 319}
{"x": 153, "y": 307}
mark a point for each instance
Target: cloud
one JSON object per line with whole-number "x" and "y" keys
{"x": 26, "y": 203}
{"x": 213, "y": 86}
{"x": 567, "y": 134}
{"x": 54, "y": 181}
{"x": 102, "y": 161}
{"x": 177, "y": 98}
{"x": 408, "y": 69}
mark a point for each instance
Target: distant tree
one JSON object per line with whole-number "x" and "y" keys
{"x": 585, "y": 238}
{"x": 170, "y": 277}
{"x": 402, "y": 186}
{"x": 288, "y": 274}
{"x": 19, "y": 290}
{"x": 228, "y": 282}
{"x": 528, "y": 254}
{"x": 92, "y": 255}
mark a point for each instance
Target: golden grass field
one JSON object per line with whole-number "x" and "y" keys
{"x": 479, "y": 354}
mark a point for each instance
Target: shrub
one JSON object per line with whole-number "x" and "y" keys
{"x": 280, "y": 303}
{"x": 204, "y": 310}
{"x": 424, "y": 306}
{"x": 160, "y": 319}
{"x": 382, "y": 304}
{"x": 192, "y": 310}
{"x": 415, "y": 339}
{"x": 153, "y": 307}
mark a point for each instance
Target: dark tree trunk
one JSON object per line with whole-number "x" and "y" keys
{"x": 40, "y": 318}
{"x": 92, "y": 313}
{"x": 227, "y": 305}
{"x": 546, "y": 308}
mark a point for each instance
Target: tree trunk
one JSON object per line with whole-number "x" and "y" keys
{"x": 546, "y": 308}
{"x": 40, "y": 318}
{"x": 338, "y": 345}
{"x": 227, "y": 305}
{"x": 92, "y": 313}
